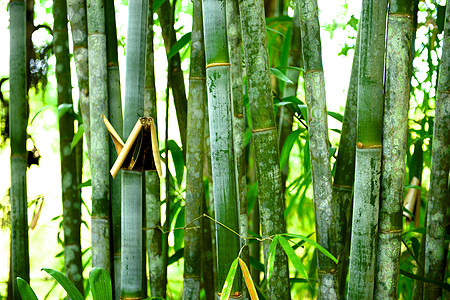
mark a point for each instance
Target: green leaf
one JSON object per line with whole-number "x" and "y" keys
{"x": 293, "y": 257}
{"x": 420, "y": 230}
{"x": 275, "y": 31}
{"x": 71, "y": 290}
{"x": 157, "y": 4}
{"x": 255, "y": 263}
{"x": 440, "y": 284}
{"x": 228, "y": 285}
{"x": 85, "y": 184}
{"x": 77, "y": 137}
{"x": 178, "y": 160}
{"x": 287, "y": 147}
{"x": 100, "y": 284}
{"x": 64, "y": 108}
{"x": 304, "y": 111}
{"x": 320, "y": 248}
{"x": 278, "y": 74}
{"x": 176, "y": 256}
{"x": 183, "y": 41}
{"x": 291, "y": 68}
{"x": 178, "y": 234}
{"x": 41, "y": 110}
{"x": 336, "y": 115}
{"x": 26, "y": 292}
{"x": 271, "y": 257}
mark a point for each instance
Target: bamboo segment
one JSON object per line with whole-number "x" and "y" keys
{"x": 18, "y": 136}
{"x": 440, "y": 164}
{"x": 265, "y": 139}
{"x": 395, "y": 129}
{"x": 368, "y": 152}
{"x": 194, "y": 159}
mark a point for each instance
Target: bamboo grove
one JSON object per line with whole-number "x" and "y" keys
{"x": 253, "y": 193}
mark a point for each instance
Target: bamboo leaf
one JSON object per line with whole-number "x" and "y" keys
{"x": 278, "y": 74}
{"x": 77, "y": 137}
{"x": 100, "y": 284}
{"x": 26, "y": 292}
{"x": 293, "y": 257}
{"x": 228, "y": 285}
{"x": 68, "y": 286}
{"x": 291, "y": 68}
{"x": 271, "y": 258}
{"x": 248, "y": 280}
{"x": 64, "y": 108}
{"x": 183, "y": 41}
{"x": 178, "y": 161}
{"x": 440, "y": 284}
{"x": 287, "y": 147}
{"x": 320, "y": 248}
{"x": 336, "y": 115}
{"x": 255, "y": 263}
{"x": 275, "y": 31}
{"x": 41, "y": 110}
{"x": 85, "y": 184}
{"x": 304, "y": 111}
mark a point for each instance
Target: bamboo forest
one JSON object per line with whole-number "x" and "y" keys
{"x": 224, "y": 149}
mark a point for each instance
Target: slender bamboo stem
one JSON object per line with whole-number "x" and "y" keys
{"x": 78, "y": 25}
{"x": 368, "y": 152}
{"x": 440, "y": 165}
{"x": 220, "y": 125}
{"x": 116, "y": 119}
{"x": 18, "y": 120}
{"x": 156, "y": 265}
{"x": 99, "y": 156}
{"x": 69, "y": 172}
{"x": 395, "y": 129}
{"x": 344, "y": 175}
{"x": 166, "y": 20}
{"x": 265, "y": 140}
{"x": 194, "y": 159}
{"x": 133, "y": 281}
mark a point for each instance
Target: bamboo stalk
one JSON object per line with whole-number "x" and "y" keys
{"x": 18, "y": 121}
{"x": 265, "y": 140}
{"x": 344, "y": 175}
{"x": 395, "y": 130}
{"x": 440, "y": 165}
{"x": 221, "y": 139}
{"x": 133, "y": 281}
{"x": 78, "y": 25}
{"x": 194, "y": 159}
{"x": 69, "y": 173}
{"x": 368, "y": 151}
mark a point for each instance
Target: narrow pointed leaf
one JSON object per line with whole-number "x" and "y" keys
{"x": 226, "y": 291}
{"x": 64, "y": 108}
{"x": 271, "y": 259}
{"x": 41, "y": 110}
{"x": 157, "y": 4}
{"x": 100, "y": 284}
{"x": 336, "y": 115}
{"x": 248, "y": 280}
{"x": 77, "y": 137}
{"x": 183, "y": 41}
{"x": 293, "y": 257}
{"x": 68, "y": 286}
{"x": 278, "y": 74}
{"x": 287, "y": 147}
{"x": 26, "y": 292}
{"x": 320, "y": 248}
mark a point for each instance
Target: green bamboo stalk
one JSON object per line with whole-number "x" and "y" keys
{"x": 175, "y": 74}
{"x": 99, "y": 156}
{"x": 395, "y": 130}
{"x": 233, "y": 20}
{"x": 344, "y": 175}
{"x": 221, "y": 139}
{"x": 265, "y": 140}
{"x": 368, "y": 152}
{"x": 156, "y": 264}
{"x": 319, "y": 146}
{"x": 18, "y": 121}
{"x": 78, "y": 26}
{"x": 194, "y": 158}
{"x": 207, "y": 258}
{"x": 285, "y": 116}
{"x": 133, "y": 282}
{"x": 68, "y": 157}
{"x": 116, "y": 120}
{"x": 440, "y": 165}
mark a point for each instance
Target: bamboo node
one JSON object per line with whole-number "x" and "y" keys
{"x": 216, "y": 65}
{"x": 360, "y": 145}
